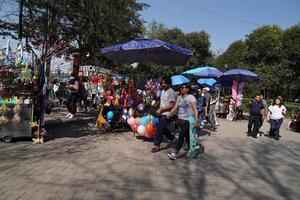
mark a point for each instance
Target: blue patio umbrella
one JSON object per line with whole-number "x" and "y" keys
{"x": 206, "y": 81}
{"x": 179, "y": 79}
{"x": 240, "y": 75}
{"x": 148, "y": 50}
{"x": 205, "y": 72}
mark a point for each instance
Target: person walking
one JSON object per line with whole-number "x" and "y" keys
{"x": 72, "y": 99}
{"x": 256, "y": 113}
{"x": 265, "y": 104}
{"x": 276, "y": 113}
{"x": 167, "y": 102}
{"x": 201, "y": 107}
{"x": 186, "y": 106}
{"x": 212, "y": 113}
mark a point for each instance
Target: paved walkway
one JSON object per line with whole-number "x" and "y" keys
{"x": 80, "y": 163}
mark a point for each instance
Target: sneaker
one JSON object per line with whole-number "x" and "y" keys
{"x": 188, "y": 154}
{"x": 258, "y": 135}
{"x": 217, "y": 124}
{"x": 172, "y": 155}
{"x": 68, "y": 115}
{"x": 71, "y": 116}
{"x": 155, "y": 149}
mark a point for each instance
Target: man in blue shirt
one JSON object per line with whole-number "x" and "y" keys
{"x": 256, "y": 113}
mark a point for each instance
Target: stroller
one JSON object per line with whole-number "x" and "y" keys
{"x": 294, "y": 124}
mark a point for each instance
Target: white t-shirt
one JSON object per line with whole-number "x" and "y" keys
{"x": 276, "y": 112}
{"x": 166, "y": 97}
{"x": 185, "y": 109}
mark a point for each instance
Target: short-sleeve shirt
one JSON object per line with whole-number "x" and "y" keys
{"x": 185, "y": 106}
{"x": 276, "y": 112}
{"x": 256, "y": 107}
{"x": 166, "y": 97}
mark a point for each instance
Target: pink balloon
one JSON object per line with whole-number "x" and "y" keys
{"x": 131, "y": 121}
{"x": 134, "y": 128}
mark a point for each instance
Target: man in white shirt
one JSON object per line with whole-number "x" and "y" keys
{"x": 167, "y": 102}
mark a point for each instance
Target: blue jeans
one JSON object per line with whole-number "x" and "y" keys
{"x": 201, "y": 116}
{"x": 275, "y": 126}
{"x": 162, "y": 130}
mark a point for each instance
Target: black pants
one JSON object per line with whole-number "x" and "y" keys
{"x": 71, "y": 103}
{"x": 162, "y": 130}
{"x": 275, "y": 126}
{"x": 254, "y": 120}
{"x": 184, "y": 132}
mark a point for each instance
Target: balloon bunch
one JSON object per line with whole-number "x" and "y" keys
{"x": 144, "y": 126}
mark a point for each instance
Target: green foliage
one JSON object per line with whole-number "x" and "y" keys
{"x": 274, "y": 54}
{"x": 233, "y": 57}
{"x": 90, "y": 24}
{"x": 264, "y": 45}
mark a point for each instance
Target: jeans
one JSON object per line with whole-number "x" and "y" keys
{"x": 275, "y": 126}
{"x": 162, "y": 130}
{"x": 184, "y": 132}
{"x": 254, "y": 120}
{"x": 201, "y": 116}
{"x": 211, "y": 116}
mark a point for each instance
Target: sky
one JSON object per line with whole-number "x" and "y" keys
{"x": 224, "y": 20}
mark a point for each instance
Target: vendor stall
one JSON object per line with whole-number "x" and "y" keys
{"x": 16, "y": 93}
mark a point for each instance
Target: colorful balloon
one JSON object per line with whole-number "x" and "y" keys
{"x": 131, "y": 112}
{"x": 144, "y": 120}
{"x": 153, "y": 103}
{"x": 155, "y": 121}
{"x": 149, "y": 130}
{"x": 141, "y": 130}
{"x": 134, "y": 128}
{"x": 131, "y": 121}
{"x": 110, "y": 115}
{"x": 141, "y": 107}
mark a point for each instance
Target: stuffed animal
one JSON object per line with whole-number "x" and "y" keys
{"x": 101, "y": 122}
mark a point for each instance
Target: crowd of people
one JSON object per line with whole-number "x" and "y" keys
{"x": 201, "y": 104}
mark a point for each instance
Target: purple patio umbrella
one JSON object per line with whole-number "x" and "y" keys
{"x": 148, "y": 50}
{"x": 240, "y": 75}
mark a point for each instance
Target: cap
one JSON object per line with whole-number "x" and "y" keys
{"x": 206, "y": 88}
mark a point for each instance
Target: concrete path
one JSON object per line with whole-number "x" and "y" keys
{"x": 81, "y": 163}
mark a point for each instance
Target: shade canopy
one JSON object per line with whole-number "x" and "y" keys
{"x": 240, "y": 75}
{"x": 205, "y": 72}
{"x": 148, "y": 50}
{"x": 207, "y": 82}
{"x": 179, "y": 79}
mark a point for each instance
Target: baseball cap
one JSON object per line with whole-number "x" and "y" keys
{"x": 206, "y": 88}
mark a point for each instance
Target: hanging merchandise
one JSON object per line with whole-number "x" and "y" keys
{"x": 234, "y": 91}
{"x": 17, "y": 92}
{"x": 239, "y": 99}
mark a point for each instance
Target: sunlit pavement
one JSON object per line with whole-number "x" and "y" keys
{"x": 81, "y": 163}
